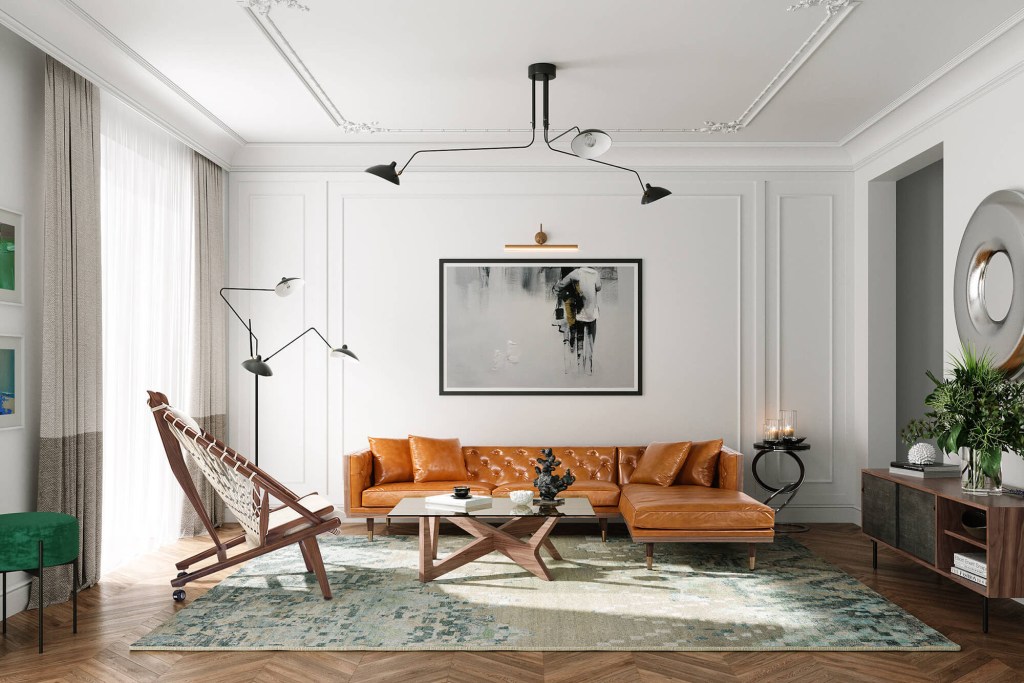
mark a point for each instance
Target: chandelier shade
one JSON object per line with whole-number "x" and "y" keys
{"x": 385, "y": 171}
{"x": 653, "y": 194}
{"x": 591, "y": 143}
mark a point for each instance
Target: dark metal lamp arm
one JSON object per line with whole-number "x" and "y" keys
{"x": 312, "y": 329}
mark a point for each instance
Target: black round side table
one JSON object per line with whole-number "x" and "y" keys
{"x": 790, "y": 489}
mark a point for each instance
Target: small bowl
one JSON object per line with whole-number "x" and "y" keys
{"x": 794, "y": 439}
{"x": 975, "y": 524}
{"x": 521, "y": 497}
{"x": 461, "y": 492}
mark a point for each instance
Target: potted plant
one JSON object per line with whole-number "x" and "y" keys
{"x": 977, "y": 412}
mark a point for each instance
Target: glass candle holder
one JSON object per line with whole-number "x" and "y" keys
{"x": 787, "y": 424}
{"x": 772, "y": 430}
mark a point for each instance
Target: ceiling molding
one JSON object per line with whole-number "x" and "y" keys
{"x": 49, "y": 48}
{"x": 272, "y": 32}
{"x": 155, "y": 72}
{"x": 956, "y": 61}
{"x": 927, "y": 123}
{"x": 360, "y": 171}
{"x": 836, "y": 11}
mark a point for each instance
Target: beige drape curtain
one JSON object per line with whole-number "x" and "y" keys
{"x": 208, "y": 402}
{"x": 71, "y": 443}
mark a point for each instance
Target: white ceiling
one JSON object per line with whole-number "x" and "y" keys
{"x": 649, "y": 68}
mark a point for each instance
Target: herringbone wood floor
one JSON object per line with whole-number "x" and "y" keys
{"x": 137, "y": 599}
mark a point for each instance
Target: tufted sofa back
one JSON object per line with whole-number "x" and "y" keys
{"x": 500, "y": 465}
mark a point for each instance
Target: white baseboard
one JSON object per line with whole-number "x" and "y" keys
{"x": 17, "y": 592}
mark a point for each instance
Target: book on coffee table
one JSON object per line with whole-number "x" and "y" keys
{"x": 450, "y": 502}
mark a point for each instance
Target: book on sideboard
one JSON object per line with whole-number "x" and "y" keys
{"x": 974, "y": 563}
{"x": 964, "y": 574}
{"x": 928, "y": 473}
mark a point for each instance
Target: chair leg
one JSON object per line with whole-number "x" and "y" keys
{"x": 74, "y": 597}
{"x": 40, "y": 622}
{"x": 752, "y": 555}
{"x": 313, "y": 549}
{"x": 305, "y": 557}
{"x": 369, "y": 528}
{"x": 650, "y": 556}
{"x": 603, "y": 521}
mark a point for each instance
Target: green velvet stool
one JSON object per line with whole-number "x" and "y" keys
{"x": 30, "y": 541}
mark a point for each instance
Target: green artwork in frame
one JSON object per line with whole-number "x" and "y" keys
{"x": 11, "y": 381}
{"x": 10, "y": 261}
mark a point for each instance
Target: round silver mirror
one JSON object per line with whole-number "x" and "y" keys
{"x": 989, "y": 312}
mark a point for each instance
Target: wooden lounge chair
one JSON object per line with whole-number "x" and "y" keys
{"x": 247, "y": 491}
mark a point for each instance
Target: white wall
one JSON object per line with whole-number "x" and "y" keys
{"x": 981, "y": 136}
{"x": 21, "y": 191}
{"x": 746, "y": 308}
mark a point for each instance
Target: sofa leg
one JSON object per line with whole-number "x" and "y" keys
{"x": 752, "y": 555}
{"x": 650, "y": 556}
{"x": 603, "y": 521}
{"x": 369, "y": 528}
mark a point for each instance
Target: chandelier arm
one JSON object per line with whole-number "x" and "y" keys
{"x": 533, "y": 137}
{"x": 603, "y": 163}
{"x": 574, "y": 128}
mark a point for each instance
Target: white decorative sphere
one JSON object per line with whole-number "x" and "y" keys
{"x": 922, "y": 454}
{"x": 521, "y": 497}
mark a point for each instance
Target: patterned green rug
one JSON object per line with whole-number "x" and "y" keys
{"x": 699, "y": 597}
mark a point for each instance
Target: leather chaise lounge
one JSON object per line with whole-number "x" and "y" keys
{"x": 703, "y": 503}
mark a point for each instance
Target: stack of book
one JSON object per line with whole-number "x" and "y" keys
{"x": 447, "y": 501}
{"x": 929, "y": 471}
{"x": 970, "y": 566}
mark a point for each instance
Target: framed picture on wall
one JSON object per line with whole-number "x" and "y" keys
{"x": 12, "y": 382}
{"x": 10, "y": 259}
{"x": 541, "y": 326}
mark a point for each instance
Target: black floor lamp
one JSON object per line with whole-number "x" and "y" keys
{"x": 256, "y": 364}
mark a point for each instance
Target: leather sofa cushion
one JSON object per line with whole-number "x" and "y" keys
{"x": 661, "y": 463}
{"x": 510, "y": 464}
{"x": 437, "y": 459}
{"x": 646, "y": 506}
{"x": 701, "y": 464}
{"x": 388, "y": 495}
{"x": 392, "y": 460}
{"x": 600, "y": 493}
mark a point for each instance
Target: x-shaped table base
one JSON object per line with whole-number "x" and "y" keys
{"x": 506, "y": 539}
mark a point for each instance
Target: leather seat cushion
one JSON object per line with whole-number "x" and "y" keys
{"x": 388, "y": 495}
{"x": 647, "y": 506}
{"x": 600, "y": 493}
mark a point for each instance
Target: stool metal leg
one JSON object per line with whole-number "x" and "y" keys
{"x": 40, "y": 597}
{"x": 74, "y": 597}
{"x": 5, "y": 603}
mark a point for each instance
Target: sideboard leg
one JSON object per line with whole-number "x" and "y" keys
{"x": 874, "y": 554}
{"x": 984, "y": 616}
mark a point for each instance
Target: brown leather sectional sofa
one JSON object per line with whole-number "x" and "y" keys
{"x": 678, "y": 513}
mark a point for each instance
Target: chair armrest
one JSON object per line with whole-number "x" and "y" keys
{"x": 730, "y": 470}
{"x": 359, "y": 468}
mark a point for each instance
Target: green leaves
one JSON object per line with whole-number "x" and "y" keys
{"x": 975, "y": 406}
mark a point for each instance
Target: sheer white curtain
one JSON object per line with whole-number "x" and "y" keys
{"x": 147, "y": 233}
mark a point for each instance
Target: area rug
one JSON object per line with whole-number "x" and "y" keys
{"x": 698, "y": 597}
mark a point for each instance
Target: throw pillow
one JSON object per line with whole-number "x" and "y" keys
{"x": 437, "y": 459}
{"x": 660, "y": 463}
{"x": 392, "y": 460}
{"x": 701, "y": 465}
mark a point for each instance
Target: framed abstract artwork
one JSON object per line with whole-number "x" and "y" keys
{"x": 10, "y": 257}
{"x": 11, "y": 382}
{"x": 541, "y": 326}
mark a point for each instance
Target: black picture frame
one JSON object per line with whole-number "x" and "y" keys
{"x": 443, "y": 390}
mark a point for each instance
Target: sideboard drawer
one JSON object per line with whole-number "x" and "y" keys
{"x": 878, "y": 505}
{"x": 916, "y": 525}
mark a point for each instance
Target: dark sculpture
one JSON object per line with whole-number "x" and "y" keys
{"x": 547, "y": 483}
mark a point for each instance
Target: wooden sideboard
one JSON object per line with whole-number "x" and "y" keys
{"x": 920, "y": 520}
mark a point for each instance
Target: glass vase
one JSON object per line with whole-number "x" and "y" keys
{"x": 980, "y": 476}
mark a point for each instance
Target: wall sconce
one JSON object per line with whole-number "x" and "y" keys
{"x": 541, "y": 244}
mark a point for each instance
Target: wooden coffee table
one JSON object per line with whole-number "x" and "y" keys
{"x": 513, "y": 522}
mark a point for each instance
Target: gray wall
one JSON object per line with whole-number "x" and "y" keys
{"x": 21, "y": 190}
{"x": 918, "y": 289}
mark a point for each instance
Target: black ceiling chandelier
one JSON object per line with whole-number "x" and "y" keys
{"x": 587, "y": 144}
